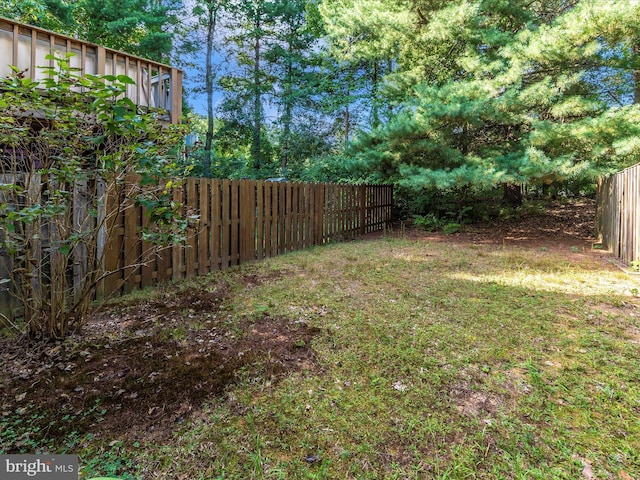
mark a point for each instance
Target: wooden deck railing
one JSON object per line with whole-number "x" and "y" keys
{"x": 26, "y": 47}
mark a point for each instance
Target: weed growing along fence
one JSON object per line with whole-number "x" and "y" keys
{"x": 618, "y": 213}
{"x": 241, "y": 221}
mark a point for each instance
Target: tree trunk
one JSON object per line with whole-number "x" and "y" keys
{"x": 286, "y": 118}
{"x": 346, "y": 122}
{"x": 512, "y": 194}
{"x": 257, "y": 98}
{"x": 375, "y": 80}
{"x": 208, "y": 146}
{"x": 636, "y": 77}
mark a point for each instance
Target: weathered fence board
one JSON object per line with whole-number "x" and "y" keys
{"x": 241, "y": 221}
{"x": 618, "y": 214}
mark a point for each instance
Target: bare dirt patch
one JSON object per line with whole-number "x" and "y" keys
{"x": 139, "y": 371}
{"x": 558, "y": 225}
{"x": 473, "y": 403}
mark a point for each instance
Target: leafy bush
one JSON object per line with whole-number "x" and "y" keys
{"x": 427, "y": 222}
{"x": 60, "y": 168}
{"x": 450, "y": 228}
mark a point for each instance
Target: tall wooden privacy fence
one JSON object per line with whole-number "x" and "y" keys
{"x": 242, "y": 221}
{"x": 618, "y": 213}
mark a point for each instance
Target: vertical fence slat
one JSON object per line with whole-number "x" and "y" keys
{"x": 216, "y": 222}
{"x": 81, "y": 206}
{"x": 634, "y": 212}
{"x": 247, "y": 221}
{"x": 101, "y": 225}
{"x": 113, "y": 243}
{"x": 148, "y": 267}
{"x": 131, "y": 254}
{"x": 177, "y": 251}
{"x": 243, "y": 223}
{"x": 328, "y": 213}
{"x": 268, "y": 218}
{"x": 295, "y": 214}
{"x": 259, "y": 186}
{"x": 204, "y": 227}
{"x": 619, "y": 200}
{"x": 275, "y": 219}
{"x": 225, "y": 222}
{"x": 163, "y": 265}
{"x": 307, "y": 215}
{"x": 280, "y": 204}
{"x": 318, "y": 198}
{"x": 235, "y": 222}
{"x": 286, "y": 239}
{"x": 193, "y": 204}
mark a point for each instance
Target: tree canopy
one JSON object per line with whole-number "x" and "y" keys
{"x": 424, "y": 93}
{"x": 141, "y": 27}
{"x": 519, "y": 94}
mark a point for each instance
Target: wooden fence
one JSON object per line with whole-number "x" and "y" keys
{"x": 242, "y": 221}
{"x": 618, "y": 214}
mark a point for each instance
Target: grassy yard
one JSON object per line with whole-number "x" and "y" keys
{"x": 428, "y": 360}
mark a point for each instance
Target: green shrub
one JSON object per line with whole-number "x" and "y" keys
{"x": 450, "y": 228}
{"x": 59, "y": 168}
{"x": 427, "y": 222}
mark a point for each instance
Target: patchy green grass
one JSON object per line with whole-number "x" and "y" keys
{"x": 433, "y": 361}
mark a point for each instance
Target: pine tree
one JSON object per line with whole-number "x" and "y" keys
{"x": 140, "y": 27}
{"x": 293, "y": 66}
{"x": 524, "y": 94}
{"x": 56, "y": 15}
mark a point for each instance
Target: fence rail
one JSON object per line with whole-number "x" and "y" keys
{"x": 242, "y": 221}
{"x": 618, "y": 214}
